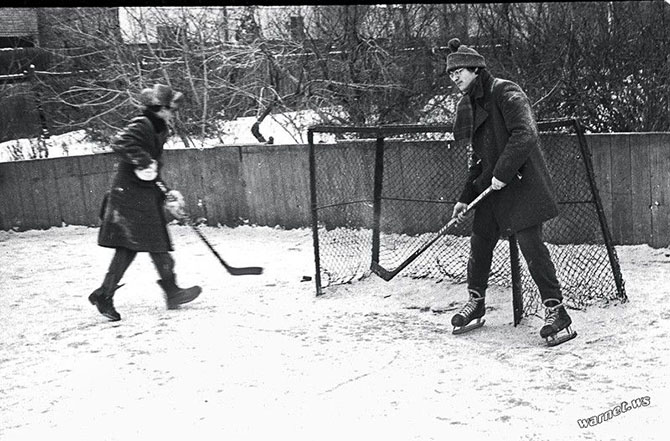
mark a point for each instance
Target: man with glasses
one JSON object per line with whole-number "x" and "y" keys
{"x": 495, "y": 121}
{"x": 133, "y": 217}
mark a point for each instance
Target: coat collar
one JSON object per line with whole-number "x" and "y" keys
{"x": 158, "y": 123}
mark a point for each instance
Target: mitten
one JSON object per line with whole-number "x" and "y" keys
{"x": 175, "y": 204}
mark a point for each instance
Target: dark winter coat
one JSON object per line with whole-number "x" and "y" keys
{"x": 133, "y": 216}
{"x": 505, "y": 143}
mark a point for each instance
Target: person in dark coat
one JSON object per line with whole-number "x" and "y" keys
{"x": 495, "y": 119}
{"x": 133, "y": 216}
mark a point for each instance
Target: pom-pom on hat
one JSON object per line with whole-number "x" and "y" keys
{"x": 160, "y": 95}
{"x": 462, "y": 56}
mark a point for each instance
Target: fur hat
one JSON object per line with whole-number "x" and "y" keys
{"x": 462, "y": 56}
{"x": 160, "y": 95}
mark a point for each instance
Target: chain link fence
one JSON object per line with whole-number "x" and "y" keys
{"x": 383, "y": 195}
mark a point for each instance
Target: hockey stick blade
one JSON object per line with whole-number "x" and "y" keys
{"x": 235, "y": 271}
{"x": 389, "y": 274}
{"x": 383, "y": 272}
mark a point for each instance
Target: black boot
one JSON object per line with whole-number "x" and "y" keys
{"x": 102, "y": 299}
{"x": 473, "y": 309}
{"x": 556, "y": 320}
{"x": 175, "y": 296}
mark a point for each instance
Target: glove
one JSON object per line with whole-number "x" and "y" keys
{"x": 175, "y": 204}
{"x": 149, "y": 172}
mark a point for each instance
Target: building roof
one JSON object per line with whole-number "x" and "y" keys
{"x": 18, "y": 22}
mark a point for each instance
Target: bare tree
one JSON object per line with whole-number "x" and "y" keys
{"x": 605, "y": 62}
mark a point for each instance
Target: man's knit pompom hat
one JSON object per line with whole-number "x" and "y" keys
{"x": 462, "y": 56}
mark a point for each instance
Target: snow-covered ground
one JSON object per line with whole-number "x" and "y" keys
{"x": 263, "y": 358}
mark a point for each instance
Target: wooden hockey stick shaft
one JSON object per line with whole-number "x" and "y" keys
{"x": 388, "y": 275}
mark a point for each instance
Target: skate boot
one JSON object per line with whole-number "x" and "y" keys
{"x": 175, "y": 296}
{"x": 473, "y": 309}
{"x": 103, "y": 301}
{"x": 556, "y": 320}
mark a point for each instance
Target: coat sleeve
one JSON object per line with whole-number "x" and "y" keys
{"x": 522, "y": 129}
{"x": 129, "y": 144}
{"x": 470, "y": 192}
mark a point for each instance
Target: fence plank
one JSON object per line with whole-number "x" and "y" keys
{"x": 68, "y": 180}
{"x": 273, "y": 172}
{"x": 293, "y": 173}
{"x": 659, "y": 149}
{"x": 223, "y": 186}
{"x": 300, "y": 205}
{"x": 96, "y": 176}
{"x": 260, "y": 186}
{"x": 622, "y": 218}
{"x": 621, "y": 190}
{"x": 40, "y": 177}
{"x": 249, "y": 184}
{"x": 53, "y": 192}
{"x": 640, "y": 189}
{"x": 26, "y": 195}
{"x": 11, "y": 209}
{"x": 601, "y": 152}
{"x": 215, "y": 184}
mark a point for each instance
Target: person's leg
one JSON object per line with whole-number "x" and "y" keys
{"x": 479, "y": 263}
{"x": 174, "y": 295}
{"x": 543, "y": 272}
{"x": 122, "y": 259}
{"x": 102, "y": 297}
{"x": 485, "y": 235}
{"x": 539, "y": 262}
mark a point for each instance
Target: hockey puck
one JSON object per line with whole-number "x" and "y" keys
{"x": 306, "y": 278}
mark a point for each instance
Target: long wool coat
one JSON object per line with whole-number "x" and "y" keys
{"x": 505, "y": 144}
{"x": 133, "y": 216}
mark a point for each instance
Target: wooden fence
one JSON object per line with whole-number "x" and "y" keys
{"x": 633, "y": 177}
{"x": 269, "y": 185}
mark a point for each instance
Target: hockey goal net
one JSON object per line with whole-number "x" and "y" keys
{"x": 380, "y": 194}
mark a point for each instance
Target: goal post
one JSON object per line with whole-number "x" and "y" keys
{"x": 380, "y": 195}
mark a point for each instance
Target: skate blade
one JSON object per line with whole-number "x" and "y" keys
{"x": 469, "y": 327}
{"x": 555, "y": 340}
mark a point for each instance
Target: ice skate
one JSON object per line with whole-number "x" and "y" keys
{"x": 175, "y": 296}
{"x": 473, "y": 309}
{"x": 103, "y": 301}
{"x": 556, "y": 320}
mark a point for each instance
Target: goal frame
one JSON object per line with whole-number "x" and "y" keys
{"x": 380, "y": 133}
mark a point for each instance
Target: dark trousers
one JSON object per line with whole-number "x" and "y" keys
{"x": 534, "y": 252}
{"x": 122, "y": 259}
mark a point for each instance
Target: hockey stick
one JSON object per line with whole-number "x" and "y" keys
{"x": 235, "y": 271}
{"x": 388, "y": 275}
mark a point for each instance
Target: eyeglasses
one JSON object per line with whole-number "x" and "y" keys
{"x": 456, "y": 73}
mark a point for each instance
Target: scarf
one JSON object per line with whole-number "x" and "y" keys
{"x": 464, "y": 120}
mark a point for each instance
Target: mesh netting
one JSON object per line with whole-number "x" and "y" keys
{"x": 383, "y": 199}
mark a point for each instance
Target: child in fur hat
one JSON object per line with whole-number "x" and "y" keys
{"x": 133, "y": 218}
